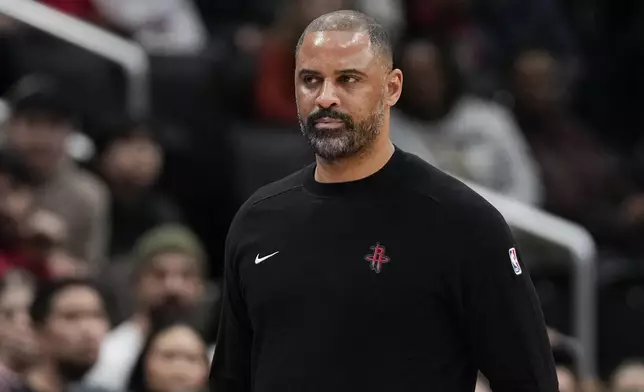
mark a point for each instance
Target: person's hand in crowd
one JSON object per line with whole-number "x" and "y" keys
{"x": 62, "y": 265}
{"x": 46, "y": 225}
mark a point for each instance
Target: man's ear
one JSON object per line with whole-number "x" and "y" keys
{"x": 393, "y": 87}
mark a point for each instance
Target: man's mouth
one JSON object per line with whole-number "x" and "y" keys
{"x": 328, "y": 123}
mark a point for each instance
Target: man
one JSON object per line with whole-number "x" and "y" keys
{"x": 70, "y": 322}
{"x": 169, "y": 273}
{"x": 371, "y": 270}
{"x": 40, "y": 126}
{"x": 18, "y": 349}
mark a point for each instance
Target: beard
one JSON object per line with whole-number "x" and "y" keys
{"x": 74, "y": 370}
{"x": 171, "y": 309}
{"x": 352, "y": 139}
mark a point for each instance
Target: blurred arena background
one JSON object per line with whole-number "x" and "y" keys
{"x": 132, "y": 130}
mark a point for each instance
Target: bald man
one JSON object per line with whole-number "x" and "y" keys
{"x": 370, "y": 270}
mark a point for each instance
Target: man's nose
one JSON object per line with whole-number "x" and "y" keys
{"x": 327, "y": 97}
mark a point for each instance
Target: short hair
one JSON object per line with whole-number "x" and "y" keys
{"x": 48, "y": 290}
{"x": 42, "y": 96}
{"x": 349, "y": 20}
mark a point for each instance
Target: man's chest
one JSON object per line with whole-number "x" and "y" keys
{"x": 363, "y": 259}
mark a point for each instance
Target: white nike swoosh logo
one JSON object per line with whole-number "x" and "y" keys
{"x": 260, "y": 259}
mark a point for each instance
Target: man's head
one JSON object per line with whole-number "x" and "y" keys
{"x": 133, "y": 158}
{"x": 345, "y": 84}
{"x": 18, "y": 348}
{"x": 535, "y": 80}
{"x": 170, "y": 271}
{"x": 434, "y": 82}
{"x": 70, "y": 322}
{"x": 41, "y": 121}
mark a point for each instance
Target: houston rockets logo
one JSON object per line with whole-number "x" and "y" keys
{"x": 377, "y": 258}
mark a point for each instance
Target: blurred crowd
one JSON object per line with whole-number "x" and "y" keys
{"x": 112, "y": 226}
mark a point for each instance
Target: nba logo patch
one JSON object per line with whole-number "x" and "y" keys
{"x": 515, "y": 261}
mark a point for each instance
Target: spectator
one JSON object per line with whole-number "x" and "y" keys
{"x": 175, "y": 358}
{"x": 459, "y": 133}
{"x": 169, "y": 276}
{"x": 41, "y": 247}
{"x": 131, "y": 163}
{"x": 628, "y": 377}
{"x": 39, "y": 128}
{"x": 583, "y": 181}
{"x": 16, "y": 200}
{"x": 18, "y": 349}
{"x": 69, "y": 322}
{"x": 274, "y": 82}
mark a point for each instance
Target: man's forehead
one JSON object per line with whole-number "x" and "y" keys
{"x": 340, "y": 46}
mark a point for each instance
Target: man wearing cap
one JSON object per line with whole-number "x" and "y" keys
{"x": 39, "y": 128}
{"x": 168, "y": 277}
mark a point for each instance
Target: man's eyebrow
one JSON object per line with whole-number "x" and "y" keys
{"x": 351, "y": 71}
{"x": 307, "y": 72}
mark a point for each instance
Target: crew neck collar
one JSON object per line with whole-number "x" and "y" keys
{"x": 378, "y": 180}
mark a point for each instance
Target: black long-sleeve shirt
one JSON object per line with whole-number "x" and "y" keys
{"x": 406, "y": 280}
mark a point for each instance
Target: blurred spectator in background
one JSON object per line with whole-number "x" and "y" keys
{"x": 454, "y": 21}
{"x": 169, "y": 274}
{"x": 42, "y": 241}
{"x": 130, "y": 163}
{"x": 18, "y": 349}
{"x": 628, "y": 377}
{"x": 175, "y": 358}
{"x": 162, "y": 27}
{"x": 582, "y": 180}
{"x": 16, "y": 200}
{"x": 39, "y": 129}
{"x": 70, "y": 322}
{"x": 274, "y": 91}
{"x": 466, "y": 136}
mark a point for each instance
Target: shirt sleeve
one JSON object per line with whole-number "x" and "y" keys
{"x": 504, "y": 321}
{"x": 230, "y": 371}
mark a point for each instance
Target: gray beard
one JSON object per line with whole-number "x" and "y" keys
{"x": 349, "y": 141}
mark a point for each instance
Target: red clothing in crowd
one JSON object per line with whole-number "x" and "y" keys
{"x": 83, "y": 9}
{"x": 274, "y": 89}
{"x": 12, "y": 260}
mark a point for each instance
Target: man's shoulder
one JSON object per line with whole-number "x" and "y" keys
{"x": 274, "y": 191}
{"x": 277, "y": 188}
{"x": 456, "y": 198}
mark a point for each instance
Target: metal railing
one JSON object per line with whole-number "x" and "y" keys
{"x": 581, "y": 247}
{"x": 127, "y": 54}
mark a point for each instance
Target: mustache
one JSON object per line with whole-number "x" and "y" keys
{"x": 329, "y": 113}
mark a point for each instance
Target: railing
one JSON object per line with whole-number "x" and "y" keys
{"x": 582, "y": 251}
{"x": 127, "y": 54}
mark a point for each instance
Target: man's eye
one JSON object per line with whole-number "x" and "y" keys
{"x": 310, "y": 79}
{"x": 348, "y": 79}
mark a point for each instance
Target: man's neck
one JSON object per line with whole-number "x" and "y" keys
{"x": 355, "y": 168}
{"x": 44, "y": 378}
